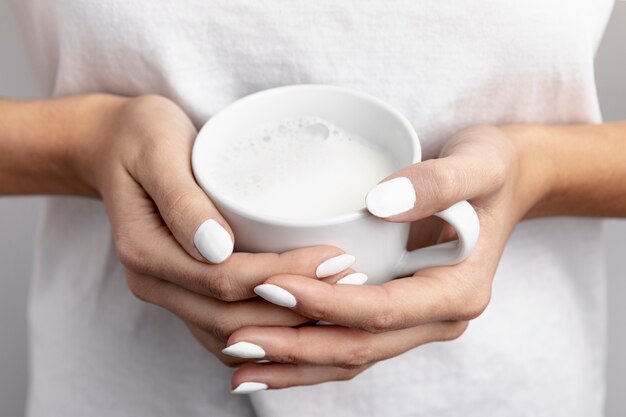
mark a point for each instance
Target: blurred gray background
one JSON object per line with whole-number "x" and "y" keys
{"x": 19, "y": 216}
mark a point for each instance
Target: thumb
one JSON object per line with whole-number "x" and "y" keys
{"x": 185, "y": 208}
{"x": 425, "y": 188}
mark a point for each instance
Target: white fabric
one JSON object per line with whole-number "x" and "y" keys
{"x": 538, "y": 350}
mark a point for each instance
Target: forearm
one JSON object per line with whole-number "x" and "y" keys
{"x": 580, "y": 170}
{"x": 43, "y": 143}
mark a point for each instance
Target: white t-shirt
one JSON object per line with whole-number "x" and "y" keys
{"x": 538, "y": 350}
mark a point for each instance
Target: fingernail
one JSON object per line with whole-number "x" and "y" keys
{"x": 249, "y": 387}
{"x": 324, "y": 323}
{"x": 213, "y": 242}
{"x": 244, "y": 350}
{"x": 391, "y": 197}
{"x": 263, "y": 361}
{"x": 275, "y": 295}
{"x": 334, "y": 265}
{"x": 357, "y": 278}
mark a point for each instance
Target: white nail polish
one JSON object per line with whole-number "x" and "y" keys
{"x": 357, "y": 278}
{"x": 249, "y": 387}
{"x": 213, "y": 242}
{"x": 391, "y": 197}
{"x": 244, "y": 350}
{"x": 263, "y": 361}
{"x": 275, "y": 295}
{"x": 334, "y": 265}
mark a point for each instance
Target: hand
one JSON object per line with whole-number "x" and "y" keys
{"x": 484, "y": 165}
{"x": 175, "y": 246}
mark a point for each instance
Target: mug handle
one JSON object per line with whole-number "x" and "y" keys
{"x": 463, "y": 218}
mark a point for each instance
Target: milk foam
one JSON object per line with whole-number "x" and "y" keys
{"x": 304, "y": 168}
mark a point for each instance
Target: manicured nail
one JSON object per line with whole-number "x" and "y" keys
{"x": 275, "y": 295}
{"x": 391, "y": 197}
{"x": 324, "y": 323}
{"x": 249, "y": 387}
{"x": 334, "y": 265}
{"x": 263, "y": 361}
{"x": 213, "y": 242}
{"x": 244, "y": 350}
{"x": 356, "y": 278}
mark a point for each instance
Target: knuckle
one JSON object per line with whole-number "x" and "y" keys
{"x": 222, "y": 287}
{"x": 218, "y": 325}
{"x": 177, "y": 204}
{"x": 286, "y": 260}
{"x": 317, "y": 311}
{"x": 152, "y": 100}
{"x": 444, "y": 173}
{"x": 139, "y": 287}
{"x": 292, "y": 355}
{"x": 308, "y": 262}
{"x": 443, "y": 181}
{"x": 381, "y": 322}
{"x": 454, "y": 330}
{"x": 498, "y": 171}
{"x": 152, "y": 155}
{"x": 384, "y": 318}
{"x": 149, "y": 105}
{"x": 131, "y": 255}
{"x": 223, "y": 329}
{"x": 474, "y": 304}
{"x": 457, "y": 329}
{"x": 348, "y": 374}
{"x": 293, "y": 352}
{"x": 135, "y": 286}
{"x": 357, "y": 357}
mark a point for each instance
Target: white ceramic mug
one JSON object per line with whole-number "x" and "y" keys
{"x": 379, "y": 246}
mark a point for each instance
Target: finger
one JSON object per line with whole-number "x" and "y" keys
{"x": 335, "y": 346}
{"x": 216, "y": 317}
{"x": 234, "y": 279}
{"x": 457, "y": 293}
{"x": 166, "y": 175}
{"x": 215, "y": 345}
{"x": 253, "y": 377}
{"x": 425, "y": 188}
{"x": 146, "y": 246}
{"x": 397, "y": 304}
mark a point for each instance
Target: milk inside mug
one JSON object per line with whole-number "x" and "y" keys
{"x": 302, "y": 168}
{"x": 290, "y": 167}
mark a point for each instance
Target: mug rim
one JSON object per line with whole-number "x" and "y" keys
{"x": 231, "y": 204}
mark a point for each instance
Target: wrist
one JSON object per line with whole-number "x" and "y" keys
{"x": 96, "y": 116}
{"x": 535, "y": 173}
{"x": 44, "y": 143}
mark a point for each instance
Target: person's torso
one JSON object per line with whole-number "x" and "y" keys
{"x": 445, "y": 65}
